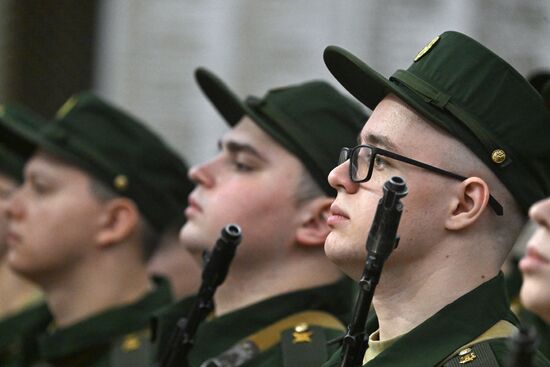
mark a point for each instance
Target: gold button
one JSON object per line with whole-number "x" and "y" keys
{"x": 131, "y": 342}
{"x": 301, "y": 327}
{"x": 464, "y": 351}
{"x": 498, "y": 156}
{"x": 121, "y": 182}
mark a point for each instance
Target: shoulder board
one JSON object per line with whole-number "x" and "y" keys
{"x": 301, "y": 328}
{"x": 304, "y": 346}
{"x": 468, "y": 354}
{"x": 477, "y": 355}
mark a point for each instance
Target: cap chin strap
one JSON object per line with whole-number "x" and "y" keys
{"x": 444, "y": 101}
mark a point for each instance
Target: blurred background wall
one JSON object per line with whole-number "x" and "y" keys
{"x": 141, "y": 54}
{"x": 47, "y": 50}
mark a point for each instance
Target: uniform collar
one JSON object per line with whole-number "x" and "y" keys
{"x": 453, "y": 326}
{"x": 104, "y": 327}
{"x": 219, "y": 334}
{"x": 18, "y": 334}
{"x": 12, "y": 327}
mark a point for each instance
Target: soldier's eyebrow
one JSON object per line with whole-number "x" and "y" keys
{"x": 34, "y": 174}
{"x": 380, "y": 141}
{"x": 235, "y": 147}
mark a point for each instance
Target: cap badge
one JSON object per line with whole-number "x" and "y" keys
{"x": 426, "y": 48}
{"x": 67, "y": 106}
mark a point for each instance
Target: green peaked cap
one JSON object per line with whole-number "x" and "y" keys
{"x": 14, "y": 151}
{"x": 118, "y": 150}
{"x": 465, "y": 88}
{"x": 313, "y": 121}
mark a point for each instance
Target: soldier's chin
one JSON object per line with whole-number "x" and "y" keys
{"x": 24, "y": 270}
{"x": 195, "y": 240}
{"x": 535, "y": 298}
{"x": 344, "y": 259}
{"x": 196, "y": 246}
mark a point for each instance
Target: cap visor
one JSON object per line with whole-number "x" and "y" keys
{"x": 370, "y": 88}
{"x": 226, "y": 102}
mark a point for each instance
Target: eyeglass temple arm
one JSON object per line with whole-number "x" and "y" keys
{"x": 493, "y": 203}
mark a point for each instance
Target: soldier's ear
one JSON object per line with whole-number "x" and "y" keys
{"x": 118, "y": 221}
{"x": 313, "y": 229}
{"x": 468, "y": 203}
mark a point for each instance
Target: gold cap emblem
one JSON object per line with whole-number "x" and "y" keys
{"x": 426, "y": 48}
{"x": 67, "y": 106}
{"x": 498, "y": 156}
{"x": 120, "y": 182}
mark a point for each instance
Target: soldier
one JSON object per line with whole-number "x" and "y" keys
{"x": 21, "y": 304}
{"x": 470, "y": 137}
{"x": 541, "y": 82}
{"x": 535, "y": 264}
{"x": 98, "y": 189}
{"x": 282, "y": 298}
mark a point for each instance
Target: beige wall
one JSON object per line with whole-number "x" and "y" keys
{"x": 149, "y": 48}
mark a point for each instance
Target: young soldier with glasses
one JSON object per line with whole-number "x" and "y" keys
{"x": 470, "y": 137}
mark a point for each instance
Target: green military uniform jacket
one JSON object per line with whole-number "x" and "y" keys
{"x": 248, "y": 336}
{"x": 441, "y": 336}
{"x": 113, "y": 338}
{"x": 21, "y": 329}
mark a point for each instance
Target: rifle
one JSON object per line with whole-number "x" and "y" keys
{"x": 523, "y": 347}
{"x": 214, "y": 273}
{"x": 381, "y": 241}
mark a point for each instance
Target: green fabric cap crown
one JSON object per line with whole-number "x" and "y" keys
{"x": 118, "y": 150}
{"x": 11, "y": 163}
{"x": 466, "y": 89}
{"x": 313, "y": 121}
{"x": 14, "y": 151}
{"x": 546, "y": 94}
{"x": 540, "y": 80}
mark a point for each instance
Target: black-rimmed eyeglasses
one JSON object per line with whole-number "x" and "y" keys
{"x": 363, "y": 159}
